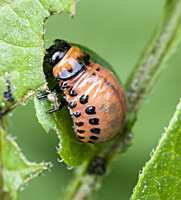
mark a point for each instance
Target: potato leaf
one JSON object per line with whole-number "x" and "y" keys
{"x": 161, "y": 176}
{"x": 16, "y": 170}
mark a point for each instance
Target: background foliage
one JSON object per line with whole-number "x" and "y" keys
{"x": 118, "y": 32}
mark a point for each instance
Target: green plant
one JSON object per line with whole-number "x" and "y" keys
{"x": 27, "y": 51}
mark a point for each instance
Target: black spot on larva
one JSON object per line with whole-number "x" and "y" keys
{"x": 91, "y": 142}
{"x": 94, "y": 138}
{"x": 84, "y": 99}
{"x": 72, "y": 104}
{"x": 95, "y": 130}
{"x": 79, "y": 123}
{"x": 76, "y": 114}
{"x": 72, "y": 92}
{"x": 80, "y": 137}
{"x": 90, "y": 110}
{"x": 64, "y": 84}
{"x": 94, "y": 121}
{"x": 93, "y": 74}
{"x": 98, "y": 69}
{"x": 80, "y": 131}
{"x": 86, "y": 58}
{"x": 107, "y": 82}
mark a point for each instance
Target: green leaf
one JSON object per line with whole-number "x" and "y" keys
{"x": 161, "y": 176}
{"x": 22, "y": 46}
{"x": 73, "y": 152}
{"x": 16, "y": 170}
{"x": 22, "y": 51}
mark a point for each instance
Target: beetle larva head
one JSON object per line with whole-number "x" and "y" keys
{"x": 54, "y": 54}
{"x": 70, "y": 65}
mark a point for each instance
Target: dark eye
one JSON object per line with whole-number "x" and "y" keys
{"x": 57, "y": 56}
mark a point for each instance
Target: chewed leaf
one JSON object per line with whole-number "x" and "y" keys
{"x": 73, "y": 152}
{"x": 16, "y": 169}
{"x": 161, "y": 176}
{"x": 22, "y": 46}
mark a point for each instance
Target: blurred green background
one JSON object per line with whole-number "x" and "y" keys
{"x": 118, "y": 31}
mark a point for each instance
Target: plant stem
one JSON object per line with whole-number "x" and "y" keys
{"x": 1, "y": 181}
{"x": 164, "y": 42}
{"x": 3, "y": 194}
{"x": 139, "y": 84}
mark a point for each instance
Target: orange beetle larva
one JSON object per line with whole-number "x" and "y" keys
{"x": 94, "y": 95}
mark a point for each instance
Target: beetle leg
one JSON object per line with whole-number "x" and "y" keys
{"x": 55, "y": 90}
{"x": 62, "y": 103}
{"x": 51, "y": 111}
{"x": 43, "y": 96}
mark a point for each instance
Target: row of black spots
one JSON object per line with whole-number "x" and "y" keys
{"x": 95, "y": 131}
{"x": 92, "y": 121}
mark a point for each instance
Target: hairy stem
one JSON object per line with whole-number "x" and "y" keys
{"x": 1, "y": 181}
{"x": 3, "y": 194}
{"x": 139, "y": 84}
{"x": 166, "y": 38}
